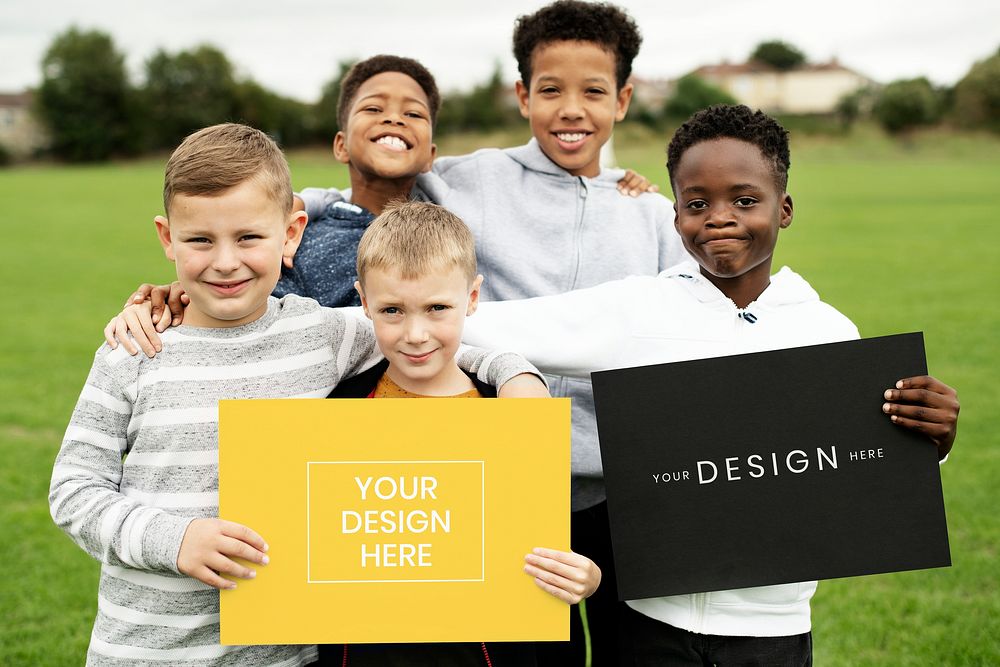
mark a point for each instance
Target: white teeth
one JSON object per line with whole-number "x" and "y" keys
{"x": 570, "y": 137}
{"x": 392, "y": 142}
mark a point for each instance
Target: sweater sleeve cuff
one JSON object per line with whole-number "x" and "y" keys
{"x": 161, "y": 541}
{"x": 497, "y": 368}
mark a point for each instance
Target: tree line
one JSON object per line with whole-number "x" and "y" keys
{"x": 94, "y": 112}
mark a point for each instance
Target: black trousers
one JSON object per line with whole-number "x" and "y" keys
{"x": 648, "y": 642}
{"x": 466, "y": 654}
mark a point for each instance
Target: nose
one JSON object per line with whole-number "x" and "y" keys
{"x": 416, "y": 331}
{"x": 226, "y": 258}
{"x": 721, "y": 215}
{"x": 572, "y": 108}
{"x": 393, "y": 118}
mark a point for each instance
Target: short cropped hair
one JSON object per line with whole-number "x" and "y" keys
{"x": 734, "y": 121}
{"x": 416, "y": 238}
{"x": 214, "y": 159}
{"x": 366, "y": 69}
{"x": 603, "y": 24}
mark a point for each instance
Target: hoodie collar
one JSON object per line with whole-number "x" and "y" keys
{"x": 532, "y": 157}
{"x": 787, "y": 287}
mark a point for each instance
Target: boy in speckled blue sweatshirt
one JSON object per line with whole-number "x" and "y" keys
{"x": 386, "y": 113}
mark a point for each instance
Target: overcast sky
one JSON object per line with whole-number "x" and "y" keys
{"x": 293, "y": 46}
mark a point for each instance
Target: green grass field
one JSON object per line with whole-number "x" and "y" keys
{"x": 896, "y": 236}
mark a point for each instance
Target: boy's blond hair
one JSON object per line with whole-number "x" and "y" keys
{"x": 416, "y": 238}
{"x": 214, "y": 159}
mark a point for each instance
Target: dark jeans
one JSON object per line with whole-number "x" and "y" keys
{"x": 467, "y": 654}
{"x": 591, "y": 537}
{"x": 650, "y": 642}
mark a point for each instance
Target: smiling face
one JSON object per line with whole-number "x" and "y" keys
{"x": 573, "y": 103}
{"x": 418, "y": 325}
{"x": 228, "y": 250}
{"x": 729, "y": 210}
{"x": 388, "y": 133}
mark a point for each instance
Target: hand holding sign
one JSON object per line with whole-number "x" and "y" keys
{"x": 564, "y": 574}
{"x": 925, "y": 405}
{"x": 209, "y": 546}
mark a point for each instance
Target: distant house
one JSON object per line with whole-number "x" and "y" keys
{"x": 20, "y": 134}
{"x": 807, "y": 89}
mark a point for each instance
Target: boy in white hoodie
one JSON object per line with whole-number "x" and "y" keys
{"x": 729, "y": 169}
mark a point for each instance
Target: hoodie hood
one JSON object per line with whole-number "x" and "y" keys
{"x": 786, "y": 288}
{"x": 532, "y": 157}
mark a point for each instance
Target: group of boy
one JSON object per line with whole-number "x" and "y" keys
{"x": 546, "y": 219}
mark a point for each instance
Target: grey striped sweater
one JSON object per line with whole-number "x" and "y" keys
{"x": 139, "y": 462}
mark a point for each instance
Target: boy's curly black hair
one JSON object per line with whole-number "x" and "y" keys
{"x": 601, "y": 23}
{"x": 735, "y": 121}
{"x": 366, "y": 69}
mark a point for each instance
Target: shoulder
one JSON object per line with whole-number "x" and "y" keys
{"x": 326, "y": 195}
{"x": 810, "y": 312}
{"x": 451, "y": 164}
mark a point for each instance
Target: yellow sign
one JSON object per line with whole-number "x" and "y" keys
{"x": 395, "y": 520}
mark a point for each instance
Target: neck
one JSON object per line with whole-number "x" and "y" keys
{"x": 374, "y": 193}
{"x": 449, "y": 382}
{"x": 743, "y": 289}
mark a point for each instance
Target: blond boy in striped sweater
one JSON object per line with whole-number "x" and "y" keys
{"x": 135, "y": 483}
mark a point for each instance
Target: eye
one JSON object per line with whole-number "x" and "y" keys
{"x": 415, "y": 114}
{"x": 198, "y": 239}
{"x": 371, "y": 108}
{"x": 390, "y": 310}
{"x": 745, "y": 202}
{"x": 697, "y": 204}
{"x": 440, "y": 307}
{"x": 548, "y": 90}
{"x": 250, "y": 237}
{"x": 596, "y": 91}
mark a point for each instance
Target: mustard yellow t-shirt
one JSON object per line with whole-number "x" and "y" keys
{"x": 386, "y": 388}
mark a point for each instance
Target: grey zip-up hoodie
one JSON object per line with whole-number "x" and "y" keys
{"x": 539, "y": 231}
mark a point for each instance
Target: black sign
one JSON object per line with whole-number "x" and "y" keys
{"x": 767, "y": 468}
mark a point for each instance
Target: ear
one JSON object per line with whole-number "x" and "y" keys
{"x": 474, "y": 295}
{"x": 624, "y": 99}
{"x": 340, "y": 148}
{"x": 163, "y": 233}
{"x": 293, "y": 236}
{"x": 522, "y": 98}
{"x": 364, "y": 301}
{"x": 786, "y": 211}
{"x": 676, "y": 223}
{"x": 430, "y": 162}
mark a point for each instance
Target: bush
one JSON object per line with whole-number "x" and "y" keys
{"x": 907, "y": 104}
{"x": 977, "y": 96}
{"x": 694, "y": 94}
{"x": 778, "y": 54}
{"x": 85, "y": 98}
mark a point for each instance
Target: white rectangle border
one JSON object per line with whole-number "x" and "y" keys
{"x": 482, "y": 546}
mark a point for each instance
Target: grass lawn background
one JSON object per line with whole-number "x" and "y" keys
{"x": 898, "y": 236}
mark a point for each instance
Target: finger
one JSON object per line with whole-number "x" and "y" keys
{"x": 207, "y": 576}
{"x": 121, "y": 335}
{"x": 244, "y": 534}
{"x": 234, "y": 548}
{"x": 569, "y": 557}
{"x": 574, "y": 580}
{"x": 158, "y": 298}
{"x": 143, "y": 331}
{"x": 109, "y": 333}
{"x": 653, "y": 188}
{"x": 917, "y": 413}
{"x": 927, "y": 382}
{"x": 224, "y": 565}
{"x": 175, "y": 304}
{"x": 564, "y": 590}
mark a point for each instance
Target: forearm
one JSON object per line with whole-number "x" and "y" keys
{"x": 85, "y": 497}
{"x": 572, "y": 334}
